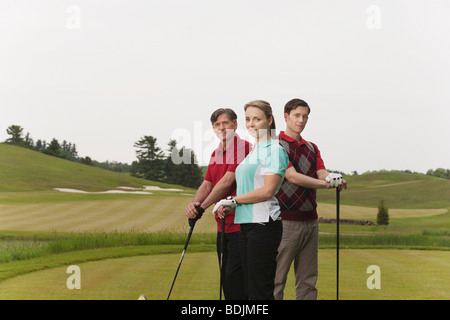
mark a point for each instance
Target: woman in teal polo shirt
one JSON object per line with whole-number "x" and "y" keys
{"x": 258, "y": 179}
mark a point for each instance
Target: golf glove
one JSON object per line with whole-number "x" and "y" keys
{"x": 200, "y": 211}
{"x": 229, "y": 202}
{"x": 335, "y": 179}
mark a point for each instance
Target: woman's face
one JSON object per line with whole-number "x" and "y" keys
{"x": 257, "y": 123}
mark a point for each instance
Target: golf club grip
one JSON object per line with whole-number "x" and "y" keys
{"x": 199, "y": 215}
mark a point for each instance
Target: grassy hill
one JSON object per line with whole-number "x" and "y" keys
{"x": 26, "y": 170}
{"x": 397, "y": 189}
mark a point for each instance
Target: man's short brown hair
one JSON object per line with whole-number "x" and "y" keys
{"x": 229, "y": 112}
{"x": 294, "y": 103}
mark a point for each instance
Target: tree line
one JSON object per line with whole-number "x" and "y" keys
{"x": 152, "y": 163}
{"x": 440, "y": 173}
{"x": 65, "y": 150}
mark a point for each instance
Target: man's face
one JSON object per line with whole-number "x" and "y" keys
{"x": 224, "y": 128}
{"x": 296, "y": 120}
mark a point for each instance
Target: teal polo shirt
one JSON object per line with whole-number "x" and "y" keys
{"x": 267, "y": 157}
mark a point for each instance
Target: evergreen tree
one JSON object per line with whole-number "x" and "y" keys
{"x": 194, "y": 174}
{"x": 147, "y": 150}
{"x": 68, "y": 151}
{"x": 182, "y": 168}
{"x": 383, "y": 214}
{"x": 28, "y": 142}
{"x": 15, "y": 132}
{"x": 87, "y": 161}
{"x": 150, "y": 164}
{"x": 39, "y": 146}
{"x": 73, "y": 150}
{"x": 171, "y": 175}
{"x": 54, "y": 149}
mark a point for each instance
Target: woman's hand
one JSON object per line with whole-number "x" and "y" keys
{"x": 222, "y": 211}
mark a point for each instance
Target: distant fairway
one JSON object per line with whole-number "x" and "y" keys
{"x": 146, "y": 214}
{"x": 357, "y": 212}
{"x": 399, "y": 190}
{"x": 143, "y": 214}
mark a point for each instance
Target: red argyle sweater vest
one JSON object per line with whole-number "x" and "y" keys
{"x": 298, "y": 203}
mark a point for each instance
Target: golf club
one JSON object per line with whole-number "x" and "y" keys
{"x": 337, "y": 242}
{"x": 222, "y": 240}
{"x": 192, "y": 225}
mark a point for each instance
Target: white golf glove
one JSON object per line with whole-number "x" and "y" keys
{"x": 226, "y": 203}
{"x": 335, "y": 179}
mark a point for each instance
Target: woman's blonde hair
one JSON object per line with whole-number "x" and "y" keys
{"x": 266, "y": 108}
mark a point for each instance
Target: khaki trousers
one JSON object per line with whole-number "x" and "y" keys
{"x": 299, "y": 243}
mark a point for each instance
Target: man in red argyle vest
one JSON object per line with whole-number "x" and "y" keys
{"x": 297, "y": 198}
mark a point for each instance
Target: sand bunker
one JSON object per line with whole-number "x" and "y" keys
{"x": 151, "y": 188}
{"x": 109, "y": 191}
{"x": 130, "y": 190}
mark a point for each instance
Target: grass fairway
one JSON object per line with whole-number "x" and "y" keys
{"x": 121, "y": 213}
{"x": 149, "y": 213}
{"x": 399, "y": 190}
{"x": 405, "y": 274}
{"x": 358, "y": 212}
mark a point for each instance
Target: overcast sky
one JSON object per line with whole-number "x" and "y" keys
{"x": 102, "y": 74}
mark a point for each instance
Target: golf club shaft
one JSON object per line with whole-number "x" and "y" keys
{"x": 337, "y": 242}
{"x": 181, "y": 259}
{"x": 222, "y": 240}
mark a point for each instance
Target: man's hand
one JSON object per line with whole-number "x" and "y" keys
{"x": 191, "y": 211}
{"x": 199, "y": 211}
{"x": 336, "y": 181}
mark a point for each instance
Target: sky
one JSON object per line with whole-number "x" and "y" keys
{"x": 103, "y": 74}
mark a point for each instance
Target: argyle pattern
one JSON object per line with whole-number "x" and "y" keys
{"x": 298, "y": 203}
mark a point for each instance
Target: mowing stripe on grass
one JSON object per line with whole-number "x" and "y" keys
{"x": 355, "y": 212}
{"x": 405, "y": 274}
{"x": 149, "y": 214}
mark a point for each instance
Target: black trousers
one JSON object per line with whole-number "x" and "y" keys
{"x": 233, "y": 275}
{"x": 258, "y": 245}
